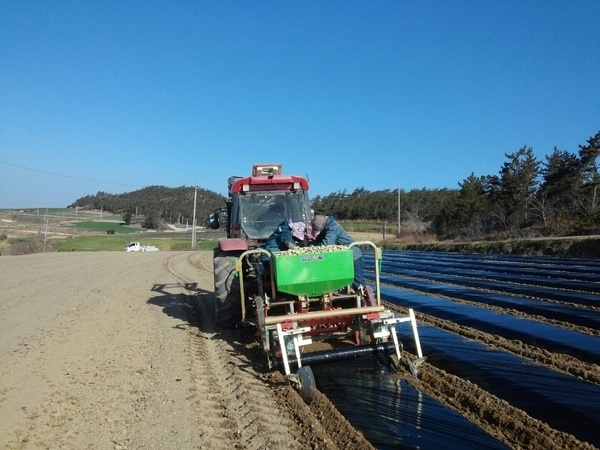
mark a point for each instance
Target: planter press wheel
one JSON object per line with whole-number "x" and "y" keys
{"x": 306, "y": 383}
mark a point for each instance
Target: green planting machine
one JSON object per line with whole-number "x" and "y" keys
{"x": 299, "y": 301}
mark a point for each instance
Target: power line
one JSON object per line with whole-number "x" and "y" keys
{"x": 68, "y": 176}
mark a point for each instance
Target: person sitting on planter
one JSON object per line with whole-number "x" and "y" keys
{"x": 327, "y": 231}
{"x": 287, "y": 235}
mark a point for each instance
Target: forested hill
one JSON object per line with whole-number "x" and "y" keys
{"x": 156, "y": 204}
{"x": 559, "y": 195}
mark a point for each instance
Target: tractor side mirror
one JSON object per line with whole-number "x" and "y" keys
{"x": 213, "y": 221}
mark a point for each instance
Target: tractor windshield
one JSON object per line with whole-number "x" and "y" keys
{"x": 262, "y": 212}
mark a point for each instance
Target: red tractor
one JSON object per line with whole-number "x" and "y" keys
{"x": 296, "y": 297}
{"x": 255, "y": 208}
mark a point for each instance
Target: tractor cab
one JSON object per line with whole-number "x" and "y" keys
{"x": 258, "y": 204}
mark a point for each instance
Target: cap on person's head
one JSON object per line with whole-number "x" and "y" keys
{"x": 298, "y": 229}
{"x": 319, "y": 222}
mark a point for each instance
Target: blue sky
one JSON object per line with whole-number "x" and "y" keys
{"x": 117, "y": 95}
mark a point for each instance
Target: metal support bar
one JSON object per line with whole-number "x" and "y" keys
{"x": 238, "y": 268}
{"x": 272, "y": 320}
{"x": 297, "y": 339}
{"x": 286, "y": 365}
{"x": 377, "y": 258}
{"x": 395, "y": 338}
{"x": 413, "y": 322}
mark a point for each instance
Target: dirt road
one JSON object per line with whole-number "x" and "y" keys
{"x": 119, "y": 351}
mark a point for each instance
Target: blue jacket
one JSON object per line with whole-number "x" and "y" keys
{"x": 279, "y": 238}
{"x": 334, "y": 234}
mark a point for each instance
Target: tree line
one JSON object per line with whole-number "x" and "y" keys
{"x": 556, "y": 195}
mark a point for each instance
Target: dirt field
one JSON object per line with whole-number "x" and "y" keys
{"x": 107, "y": 351}
{"x": 115, "y": 350}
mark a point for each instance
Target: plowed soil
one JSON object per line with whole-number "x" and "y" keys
{"x": 115, "y": 350}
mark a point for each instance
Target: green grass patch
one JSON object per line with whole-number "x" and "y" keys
{"x": 93, "y": 244}
{"x": 105, "y": 226}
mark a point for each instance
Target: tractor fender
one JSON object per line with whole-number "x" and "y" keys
{"x": 229, "y": 245}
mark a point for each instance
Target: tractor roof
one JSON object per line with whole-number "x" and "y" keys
{"x": 268, "y": 177}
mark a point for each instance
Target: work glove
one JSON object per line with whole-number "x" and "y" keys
{"x": 290, "y": 244}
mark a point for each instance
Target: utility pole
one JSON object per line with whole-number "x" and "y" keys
{"x": 45, "y": 232}
{"x": 398, "y": 210}
{"x": 194, "y": 219}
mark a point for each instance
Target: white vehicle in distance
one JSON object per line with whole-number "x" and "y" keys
{"x": 137, "y": 247}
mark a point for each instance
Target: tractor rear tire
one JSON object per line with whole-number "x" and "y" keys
{"x": 228, "y": 308}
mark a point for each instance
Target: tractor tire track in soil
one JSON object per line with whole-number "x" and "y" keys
{"x": 237, "y": 401}
{"x": 262, "y": 407}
